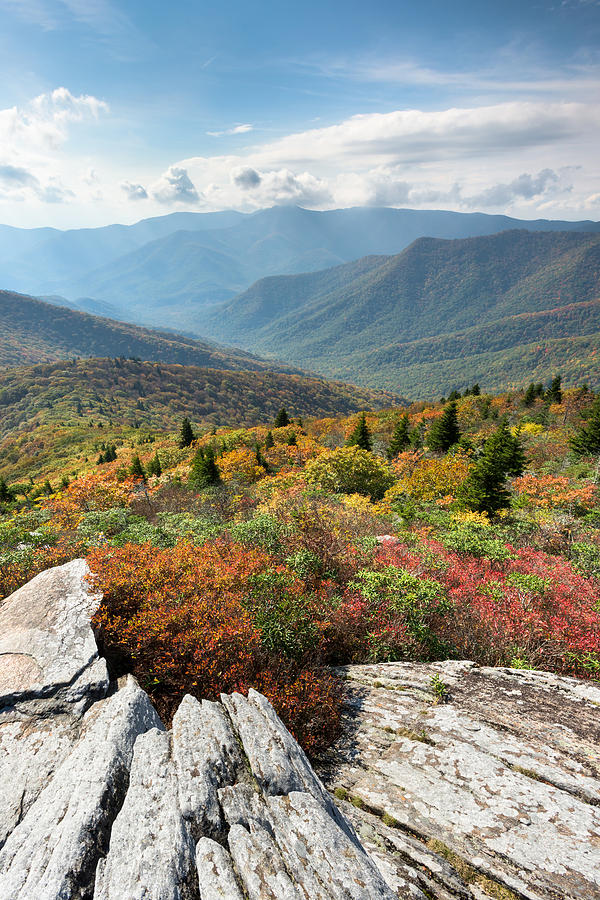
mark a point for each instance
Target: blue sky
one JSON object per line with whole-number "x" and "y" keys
{"x": 114, "y": 111}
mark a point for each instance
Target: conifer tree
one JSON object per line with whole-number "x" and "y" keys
{"x": 154, "y": 466}
{"x": 136, "y": 470}
{"x": 292, "y": 439}
{"x": 400, "y": 438}
{"x": 6, "y": 495}
{"x": 445, "y": 431}
{"x": 186, "y": 434}
{"x": 530, "y": 395}
{"x": 554, "y": 392}
{"x": 205, "y": 470}
{"x": 485, "y": 488}
{"x": 586, "y": 442}
{"x": 269, "y": 442}
{"x": 476, "y": 390}
{"x": 361, "y": 436}
{"x": 282, "y": 419}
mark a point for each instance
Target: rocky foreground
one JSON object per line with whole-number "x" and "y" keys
{"x": 450, "y": 780}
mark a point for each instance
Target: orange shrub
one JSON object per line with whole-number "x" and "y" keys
{"x": 201, "y": 621}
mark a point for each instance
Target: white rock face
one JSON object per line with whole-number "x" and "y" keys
{"x": 53, "y": 851}
{"x": 49, "y": 674}
{"x": 151, "y": 854}
{"x": 505, "y": 775}
{"x": 46, "y": 642}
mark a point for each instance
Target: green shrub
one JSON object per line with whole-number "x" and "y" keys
{"x": 350, "y": 470}
{"x": 262, "y": 531}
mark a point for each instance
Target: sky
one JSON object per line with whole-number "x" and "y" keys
{"x": 118, "y": 110}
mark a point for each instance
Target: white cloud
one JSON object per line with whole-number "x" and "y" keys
{"x": 134, "y": 191}
{"x": 237, "y": 129}
{"x": 175, "y": 186}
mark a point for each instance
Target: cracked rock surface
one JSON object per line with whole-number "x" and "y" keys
{"x": 450, "y": 780}
{"x": 490, "y": 790}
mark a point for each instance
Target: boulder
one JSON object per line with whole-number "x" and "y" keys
{"x": 50, "y": 673}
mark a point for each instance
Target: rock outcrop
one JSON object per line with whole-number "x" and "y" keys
{"x": 450, "y": 781}
{"x": 473, "y": 782}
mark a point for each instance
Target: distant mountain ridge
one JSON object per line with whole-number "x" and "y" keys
{"x": 164, "y": 271}
{"x": 32, "y": 331}
{"x": 438, "y": 311}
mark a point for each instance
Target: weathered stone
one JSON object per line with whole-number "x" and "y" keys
{"x": 277, "y": 761}
{"x": 46, "y": 642}
{"x": 151, "y": 854}
{"x": 216, "y": 876}
{"x": 260, "y": 864}
{"x": 53, "y": 852}
{"x": 208, "y": 757}
{"x": 504, "y": 775}
{"x": 325, "y": 864}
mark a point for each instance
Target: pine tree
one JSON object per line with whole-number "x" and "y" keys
{"x": 476, "y": 390}
{"x": 6, "y": 495}
{"x": 282, "y": 419}
{"x": 485, "y": 488}
{"x": 361, "y": 436}
{"x": 554, "y": 392}
{"x": 586, "y": 442}
{"x": 530, "y": 395}
{"x": 445, "y": 431}
{"x": 205, "y": 470}
{"x": 136, "y": 470}
{"x": 292, "y": 439}
{"x": 400, "y": 438}
{"x": 269, "y": 442}
{"x": 186, "y": 434}
{"x": 154, "y": 466}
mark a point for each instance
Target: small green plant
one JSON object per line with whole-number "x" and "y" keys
{"x": 438, "y": 688}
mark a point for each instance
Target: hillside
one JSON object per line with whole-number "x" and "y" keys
{"x": 162, "y": 271}
{"x": 33, "y": 331}
{"x": 438, "y": 315}
{"x": 64, "y": 409}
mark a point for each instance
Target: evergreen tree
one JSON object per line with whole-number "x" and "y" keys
{"x": 445, "y": 431}
{"x": 269, "y": 442}
{"x": 64, "y": 482}
{"x": 554, "y": 392}
{"x": 586, "y": 442}
{"x": 282, "y": 419}
{"x": 400, "y": 438}
{"x": 292, "y": 439}
{"x": 261, "y": 461}
{"x": 186, "y": 434}
{"x": 154, "y": 466}
{"x": 476, "y": 390}
{"x": 47, "y": 488}
{"x": 530, "y": 395}
{"x": 136, "y": 470}
{"x": 454, "y": 395}
{"x": 485, "y": 488}
{"x": 205, "y": 470}
{"x": 6, "y": 495}
{"x": 361, "y": 436}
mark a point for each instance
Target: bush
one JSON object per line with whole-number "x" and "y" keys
{"x": 350, "y": 470}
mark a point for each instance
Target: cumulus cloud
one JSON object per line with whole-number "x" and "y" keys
{"x": 524, "y": 187}
{"x": 245, "y": 177}
{"x": 237, "y": 129}
{"x": 15, "y": 179}
{"x": 44, "y": 121}
{"x": 134, "y": 191}
{"x": 175, "y": 186}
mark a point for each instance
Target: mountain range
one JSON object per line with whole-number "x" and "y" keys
{"x": 163, "y": 271}
{"x": 497, "y": 309}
